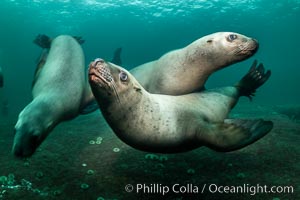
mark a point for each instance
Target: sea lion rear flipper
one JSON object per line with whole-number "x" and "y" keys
{"x": 44, "y": 41}
{"x": 234, "y": 134}
{"x": 89, "y": 107}
{"x": 117, "y": 57}
{"x": 255, "y": 77}
{"x": 79, "y": 39}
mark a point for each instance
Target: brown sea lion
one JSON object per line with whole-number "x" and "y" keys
{"x": 171, "y": 124}
{"x": 186, "y": 70}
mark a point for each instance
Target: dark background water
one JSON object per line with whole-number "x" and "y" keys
{"x": 146, "y": 30}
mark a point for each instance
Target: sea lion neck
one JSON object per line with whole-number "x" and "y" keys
{"x": 131, "y": 96}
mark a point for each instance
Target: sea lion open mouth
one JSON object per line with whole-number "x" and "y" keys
{"x": 100, "y": 76}
{"x": 99, "y": 72}
{"x": 172, "y": 124}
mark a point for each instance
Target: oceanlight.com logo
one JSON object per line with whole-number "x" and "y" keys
{"x": 161, "y": 189}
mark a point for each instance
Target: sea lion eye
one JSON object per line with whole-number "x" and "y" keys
{"x": 231, "y": 37}
{"x": 123, "y": 76}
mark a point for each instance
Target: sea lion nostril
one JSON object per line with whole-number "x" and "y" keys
{"x": 188, "y": 65}
{"x": 230, "y": 135}
{"x": 98, "y": 60}
{"x": 256, "y": 41}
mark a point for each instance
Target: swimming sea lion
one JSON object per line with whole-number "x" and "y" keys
{"x": 186, "y": 70}
{"x": 44, "y": 42}
{"x": 59, "y": 93}
{"x": 171, "y": 124}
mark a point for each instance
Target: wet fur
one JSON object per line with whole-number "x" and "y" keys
{"x": 171, "y": 124}
{"x": 60, "y": 91}
{"x": 186, "y": 70}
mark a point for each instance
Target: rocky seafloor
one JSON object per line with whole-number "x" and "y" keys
{"x": 82, "y": 159}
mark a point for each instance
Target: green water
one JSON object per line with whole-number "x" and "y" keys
{"x": 148, "y": 28}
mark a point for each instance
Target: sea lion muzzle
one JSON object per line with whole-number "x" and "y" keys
{"x": 104, "y": 72}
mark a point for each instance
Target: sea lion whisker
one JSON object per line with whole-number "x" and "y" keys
{"x": 113, "y": 86}
{"x": 235, "y": 51}
{"x": 153, "y": 122}
{"x": 242, "y": 49}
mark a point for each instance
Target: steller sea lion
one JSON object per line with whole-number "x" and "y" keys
{"x": 60, "y": 92}
{"x": 171, "y": 124}
{"x": 44, "y": 42}
{"x": 186, "y": 70}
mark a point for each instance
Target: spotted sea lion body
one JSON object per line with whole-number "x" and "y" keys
{"x": 171, "y": 124}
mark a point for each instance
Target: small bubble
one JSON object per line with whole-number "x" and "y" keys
{"x": 116, "y": 150}
{"x": 98, "y": 142}
{"x": 160, "y": 165}
{"x": 3, "y": 179}
{"x": 90, "y": 172}
{"x": 191, "y": 171}
{"x": 39, "y": 174}
{"x": 92, "y": 142}
{"x": 163, "y": 158}
{"x": 84, "y": 186}
{"x": 241, "y": 175}
{"x": 57, "y": 192}
{"x": 151, "y": 156}
{"x": 84, "y": 165}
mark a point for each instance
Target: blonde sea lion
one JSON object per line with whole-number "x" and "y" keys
{"x": 186, "y": 70}
{"x": 171, "y": 124}
{"x": 60, "y": 92}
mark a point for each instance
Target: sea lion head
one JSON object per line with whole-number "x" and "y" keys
{"x": 112, "y": 83}
{"x": 225, "y": 48}
{"x": 30, "y": 130}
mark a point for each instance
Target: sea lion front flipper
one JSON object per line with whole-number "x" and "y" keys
{"x": 255, "y": 77}
{"x": 43, "y": 41}
{"x": 117, "y": 57}
{"x": 234, "y": 134}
